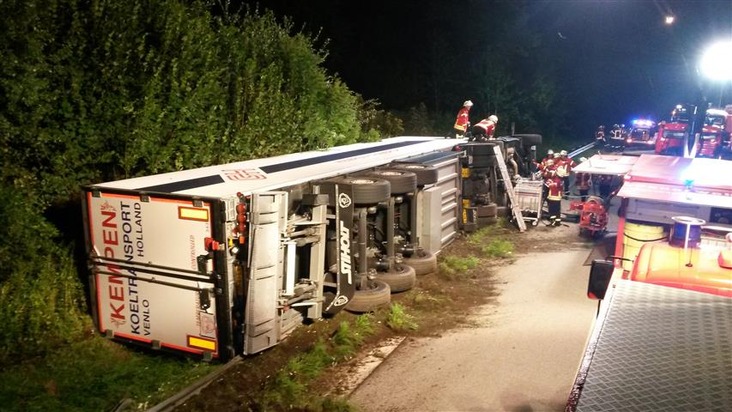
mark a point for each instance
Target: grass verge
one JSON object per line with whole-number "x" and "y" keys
{"x": 96, "y": 374}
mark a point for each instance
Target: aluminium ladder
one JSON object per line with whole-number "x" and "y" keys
{"x": 508, "y": 184}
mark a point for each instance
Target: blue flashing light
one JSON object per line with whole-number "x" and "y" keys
{"x": 643, "y": 123}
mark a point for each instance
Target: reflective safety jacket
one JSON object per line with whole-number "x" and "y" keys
{"x": 487, "y": 125}
{"x": 463, "y": 118}
{"x": 555, "y": 188}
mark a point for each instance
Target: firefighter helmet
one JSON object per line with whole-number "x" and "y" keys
{"x": 467, "y": 103}
{"x": 550, "y": 152}
{"x": 493, "y": 118}
{"x": 563, "y": 153}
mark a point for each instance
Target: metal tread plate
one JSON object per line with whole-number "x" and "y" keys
{"x": 661, "y": 349}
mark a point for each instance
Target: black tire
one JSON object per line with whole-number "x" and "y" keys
{"x": 486, "y": 149}
{"x": 426, "y": 175}
{"x": 487, "y": 221}
{"x": 502, "y": 211}
{"x": 399, "y": 279}
{"x": 366, "y": 190}
{"x": 367, "y": 300}
{"x": 530, "y": 139}
{"x": 488, "y": 210}
{"x": 423, "y": 263}
{"x": 401, "y": 181}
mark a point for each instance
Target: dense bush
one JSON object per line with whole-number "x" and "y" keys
{"x": 41, "y": 299}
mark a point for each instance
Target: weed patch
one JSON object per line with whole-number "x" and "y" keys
{"x": 399, "y": 320}
{"x": 498, "y": 248}
{"x": 453, "y": 267}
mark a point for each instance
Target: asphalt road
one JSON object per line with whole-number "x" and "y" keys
{"x": 522, "y": 356}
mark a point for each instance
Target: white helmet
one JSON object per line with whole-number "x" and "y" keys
{"x": 467, "y": 103}
{"x": 493, "y": 118}
{"x": 550, "y": 152}
{"x": 563, "y": 153}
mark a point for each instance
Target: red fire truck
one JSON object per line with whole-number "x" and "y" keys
{"x": 661, "y": 340}
{"x": 670, "y": 138}
{"x": 715, "y": 135}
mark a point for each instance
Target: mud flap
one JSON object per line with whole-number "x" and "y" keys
{"x": 344, "y": 211}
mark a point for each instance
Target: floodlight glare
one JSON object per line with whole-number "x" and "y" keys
{"x": 716, "y": 62}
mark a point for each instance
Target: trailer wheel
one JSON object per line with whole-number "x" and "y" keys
{"x": 426, "y": 175}
{"x": 367, "y": 300}
{"x": 401, "y": 181}
{"x": 488, "y": 210}
{"x": 366, "y": 190}
{"x": 529, "y": 139}
{"x": 399, "y": 279}
{"x": 487, "y": 221}
{"x": 423, "y": 262}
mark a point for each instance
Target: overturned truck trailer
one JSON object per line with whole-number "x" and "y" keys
{"x": 229, "y": 259}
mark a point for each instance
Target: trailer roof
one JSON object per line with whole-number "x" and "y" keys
{"x": 698, "y": 173}
{"x": 605, "y": 164}
{"x": 692, "y": 172}
{"x": 675, "y": 194}
{"x": 273, "y": 173}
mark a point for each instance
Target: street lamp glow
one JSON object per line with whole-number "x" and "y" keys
{"x": 716, "y": 62}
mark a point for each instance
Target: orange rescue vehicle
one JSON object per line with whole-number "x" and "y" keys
{"x": 662, "y": 334}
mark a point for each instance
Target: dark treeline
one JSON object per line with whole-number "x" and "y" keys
{"x": 427, "y": 57}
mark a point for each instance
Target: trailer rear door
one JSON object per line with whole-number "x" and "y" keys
{"x": 149, "y": 284}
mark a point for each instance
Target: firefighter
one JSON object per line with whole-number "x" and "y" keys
{"x": 484, "y": 129}
{"x": 583, "y": 182}
{"x": 606, "y": 187}
{"x": 549, "y": 155}
{"x": 548, "y": 172}
{"x": 617, "y": 137}
{"x": 600, "y": 136}
{"x": 541, "y": 165}
{"x": 566, "y": 165}
{"x": 554, "y": 200}
{"x": 462, "y": 122}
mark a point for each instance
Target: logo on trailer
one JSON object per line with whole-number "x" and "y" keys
{"x": 340, "y": 301}
{"x": 344, "y": 244}
{"x": 344, "y": 201}
{"x": 244, "y": 174}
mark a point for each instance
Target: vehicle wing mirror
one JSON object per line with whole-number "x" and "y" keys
{"x": 600, "y": 273}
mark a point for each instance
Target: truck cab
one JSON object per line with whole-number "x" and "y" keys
{"x": 714, "y": 135}
{"x": 670, "y": 138}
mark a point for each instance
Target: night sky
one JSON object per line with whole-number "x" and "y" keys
{"x": 616, "y": 58}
